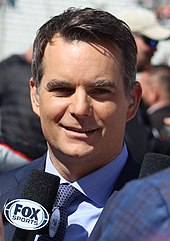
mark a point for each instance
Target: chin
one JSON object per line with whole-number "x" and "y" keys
{"x": 78, "y": 152}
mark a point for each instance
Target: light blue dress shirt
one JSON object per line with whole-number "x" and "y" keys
{"x": 95, "y": 189}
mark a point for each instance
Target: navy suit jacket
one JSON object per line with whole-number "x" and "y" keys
{"x": 140, "y": 212}
{"x": 12, "y": 183}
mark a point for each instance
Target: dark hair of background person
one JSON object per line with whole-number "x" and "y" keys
{"x": 163, "y": 72}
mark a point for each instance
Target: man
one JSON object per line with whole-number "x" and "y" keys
{"x": 84, "y": 91}
{"x": 142, "y": 211}
{"x": 147, "y": 32}
{"x": 21, "y": 138}
{"x": 156, "y": 96}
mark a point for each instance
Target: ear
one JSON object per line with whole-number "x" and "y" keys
{"x": 134, "y": 100}
{"x": 154, "y": 95}
{"x": 34, "y": 95}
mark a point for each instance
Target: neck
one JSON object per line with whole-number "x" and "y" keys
{"x": 74, "y": 168}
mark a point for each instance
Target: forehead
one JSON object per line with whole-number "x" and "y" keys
{"x": 89, "y": 60}
{"x": 108, "y": 48}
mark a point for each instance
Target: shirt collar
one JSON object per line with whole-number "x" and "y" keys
{"x": 156, "y": 107}
{"x": 97, "y": 185}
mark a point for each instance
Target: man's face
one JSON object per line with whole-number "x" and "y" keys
{"x": 81, "y": 101}
{"x": 145, "y": 54}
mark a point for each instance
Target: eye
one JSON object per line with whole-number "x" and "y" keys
{"x": 62, "y": 91}
{"x": 101, "y": 94}
{"x": 60, "y": 88}
{"x": 101, "y": 91}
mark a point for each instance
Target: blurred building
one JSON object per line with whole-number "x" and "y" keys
{"x": 20, "y": 19}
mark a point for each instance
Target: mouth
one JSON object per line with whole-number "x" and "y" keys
{"x": 81, "y": 131}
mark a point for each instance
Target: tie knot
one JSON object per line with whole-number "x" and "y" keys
{"x": 66, "y": 194}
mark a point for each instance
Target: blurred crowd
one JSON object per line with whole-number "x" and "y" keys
{"x": 148, "y": 131}
{"x": 21, "y": 138}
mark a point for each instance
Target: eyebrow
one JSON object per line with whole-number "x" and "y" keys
{"x": 64, "y": 83}
{"x": 103, "y": 83}
{"x": 57, "y": 83}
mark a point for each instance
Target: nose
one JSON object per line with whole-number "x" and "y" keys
{"x": 80, "y": 104}
{"x": 153, "y": 49}
{"x": 150, "y": 48}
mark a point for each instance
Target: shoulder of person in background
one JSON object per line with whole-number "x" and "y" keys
{"x": 140, "y": 211}
{"x": 16, "y": 58}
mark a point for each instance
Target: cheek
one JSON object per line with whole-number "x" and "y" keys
{"x": 112, "y": 115}
{"x": 113, "y": 126}
{"x": 52, "y": 109}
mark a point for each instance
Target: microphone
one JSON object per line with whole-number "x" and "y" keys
{"x": 152, "y": 163}
{"x": 36, "y": 204}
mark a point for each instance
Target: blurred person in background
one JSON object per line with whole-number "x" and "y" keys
{"x": 166, "y": 128}
{"x": 156, "y": 96}
{"x": 163, "y": 13}
{"x": 147, "y": 32}
{"x": 21, "y": 138}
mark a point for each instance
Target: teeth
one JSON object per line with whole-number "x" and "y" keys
{"x": 90, "y": 131}
{"x": 80, "y": 131}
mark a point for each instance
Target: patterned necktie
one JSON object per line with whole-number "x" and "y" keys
{"x": 66, "y": 194}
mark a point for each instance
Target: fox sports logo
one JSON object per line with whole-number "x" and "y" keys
{"x": 26, "y": 214}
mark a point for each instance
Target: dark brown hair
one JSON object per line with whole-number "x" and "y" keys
{"x": 88, "y": 25}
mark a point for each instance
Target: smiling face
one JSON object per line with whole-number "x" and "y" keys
{"x": 82, "y": 103}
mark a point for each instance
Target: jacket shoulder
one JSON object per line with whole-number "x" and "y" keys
{"x": 12, "y": 182}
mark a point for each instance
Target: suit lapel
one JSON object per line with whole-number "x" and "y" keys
{"x": 130, "y": 171}
{"x": 15, "y": 183}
